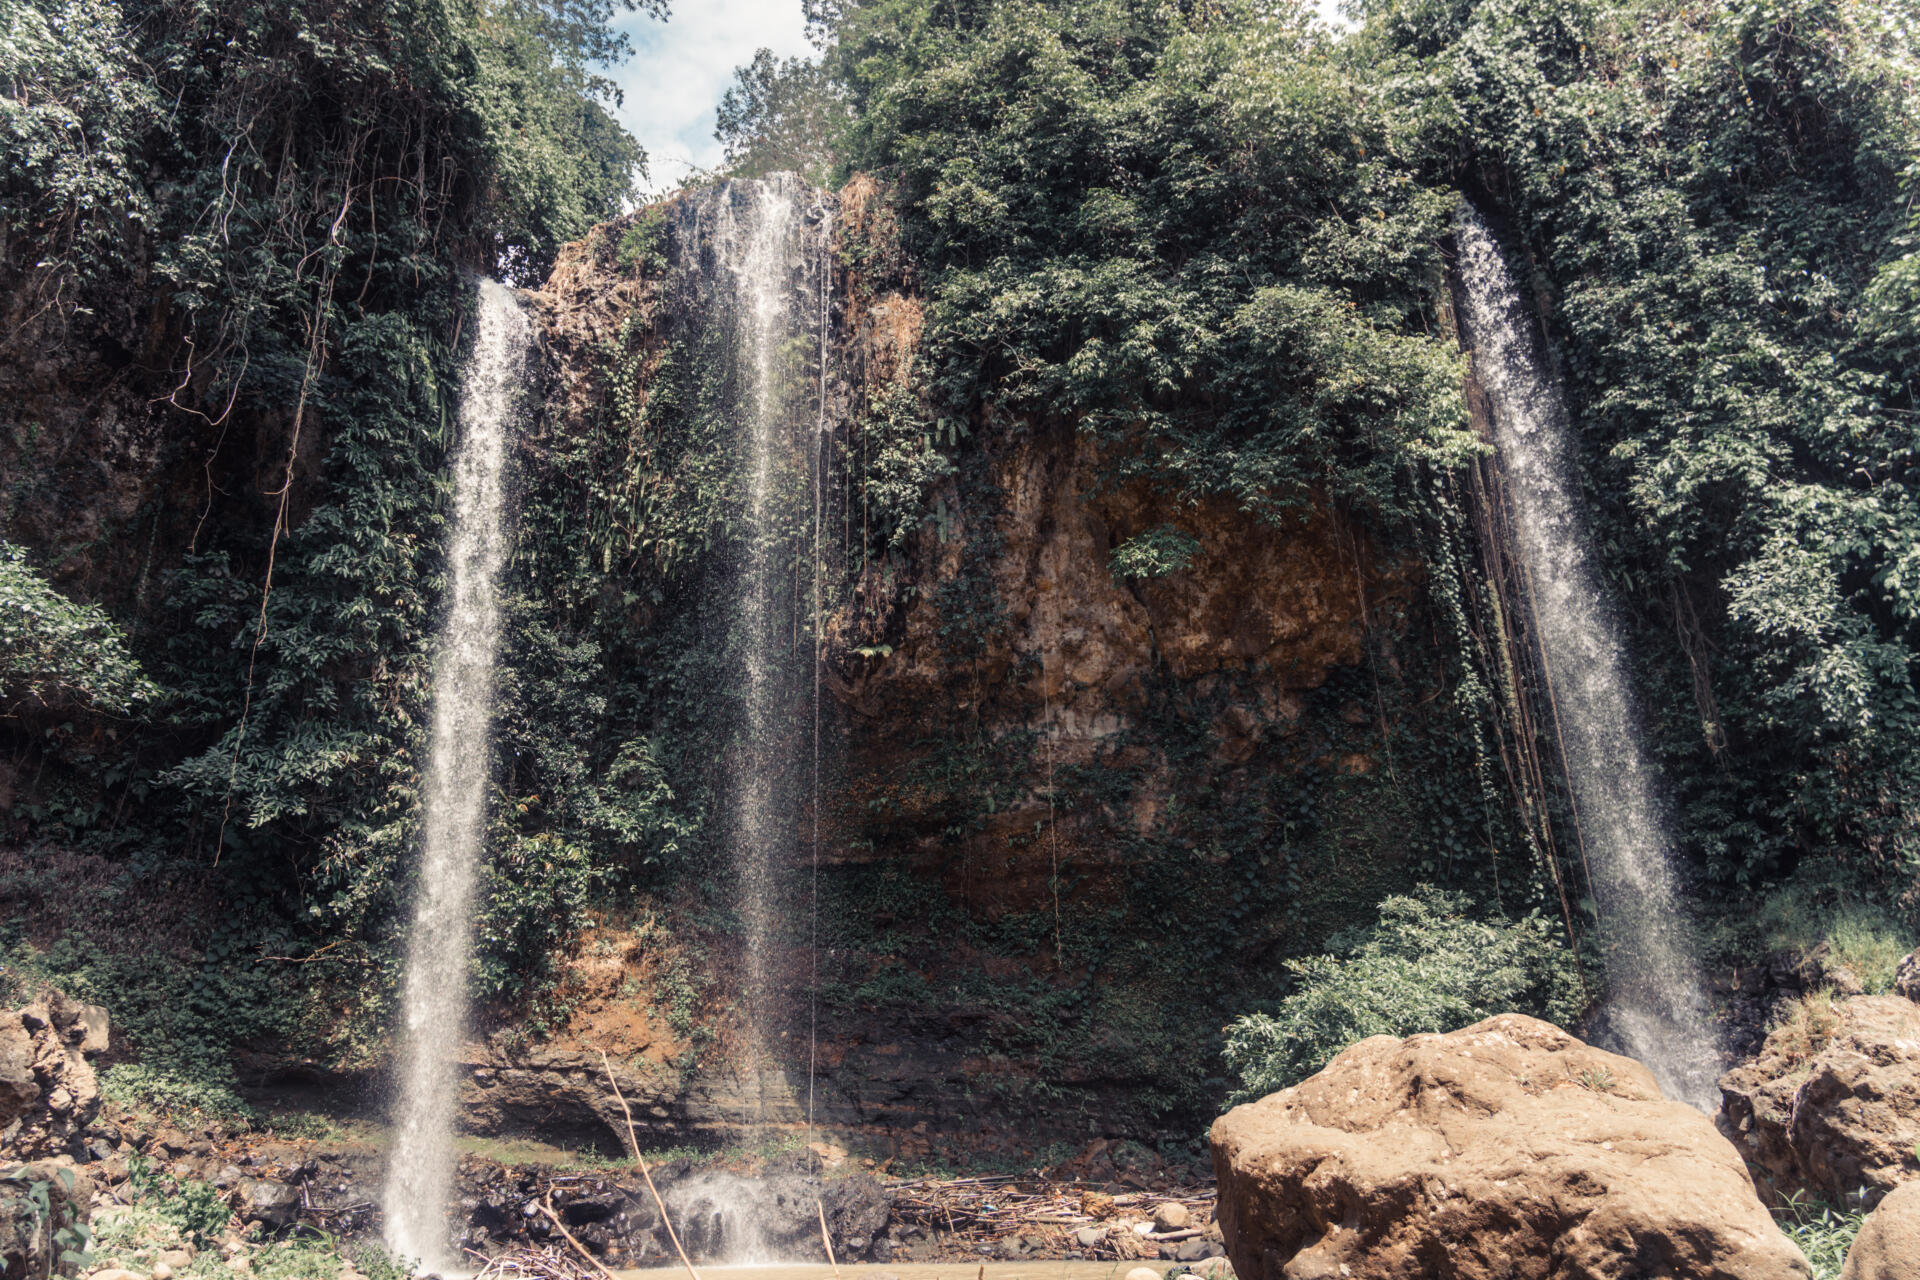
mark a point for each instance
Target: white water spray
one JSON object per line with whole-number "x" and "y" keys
{"x": 1656, "y": 1004}
{"x": 768, "y": 240}
{"x": 454, "y": 793}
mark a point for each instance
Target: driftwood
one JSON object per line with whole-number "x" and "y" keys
{"x": 531, "y": 1264}
{"x": 826, "y": 1239}
{"x": 977, "y": 1211}
{"x": 546, "y": 1207}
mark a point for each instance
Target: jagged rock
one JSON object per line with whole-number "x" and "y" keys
{"x": 48, "y": 1093}
{"x": 273, "y": 1204}
{"x": 1509, "y": 1149}
{"x": 1171, "y": 1216}
{"x": 42, "y": 1206}
{"x": 1888, "y": 1246}
{"x": 1831, "y": 1106}
{"x": 1906, "y": 978}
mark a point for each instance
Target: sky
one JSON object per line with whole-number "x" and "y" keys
{"x": 680, "y": 68}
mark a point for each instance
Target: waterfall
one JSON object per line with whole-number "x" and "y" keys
{"x": 767, "y": 241}
{"x": 454, "y": 792}
{"x": 1656, "y": 1005}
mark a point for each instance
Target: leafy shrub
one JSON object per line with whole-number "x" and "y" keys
{"x": 54, "y": 650}
{"x": 1823, "y": 1233}
{"x": 643, "y": 245}
{"x": 1428, "y": 965}
{"x": 194, "y": 1209}
{"x": 1155, "y": 553}
{"x": 133, "y": 1084}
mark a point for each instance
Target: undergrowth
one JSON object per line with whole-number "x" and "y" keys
{"x": 1823, "y": 1233}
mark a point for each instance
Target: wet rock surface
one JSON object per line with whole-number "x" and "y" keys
{"x": 719, "y": 1216}
{"x": 1509, "y": 1149}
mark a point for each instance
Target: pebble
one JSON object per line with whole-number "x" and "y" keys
{"x": 1143, "y": 1273}
{"x": 1087, "y": 1237}
{"x": 1171, "y": 1216}
{"x": 1213, "y": 1269}
{"x": 118, "y": 1273}
{"x": 161, "y": 1271}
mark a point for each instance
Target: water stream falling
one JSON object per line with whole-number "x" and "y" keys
{"x": 454, "y": 791}
{"x": 1656, "y": 1005}
{"x": 762, "y": 254}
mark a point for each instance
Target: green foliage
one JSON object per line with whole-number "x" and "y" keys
{"x": 1155, "y": 553}
{"x": 1428, "y": 965}
{"x": 53, "y": 650}
{"x": 1711, "y": 199}
{"x": 276, "y": 207}
{"x": 134, "y": 1084}
{"x": 195, "y": 1210}
{"x": 1823, "y": 1233}
{"x": 780, "y": 115}
{"x": 1185, "y": 231}
{"x": 899, "y": 463}
{"x": 1819, "y": 910}
{"x": 643, "y": 244}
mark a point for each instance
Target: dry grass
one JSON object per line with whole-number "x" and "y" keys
{"x": 1806, "y": 1026}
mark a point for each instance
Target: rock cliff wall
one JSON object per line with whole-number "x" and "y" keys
{"x": 1071, "y": 819}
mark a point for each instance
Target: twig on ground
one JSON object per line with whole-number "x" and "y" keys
{"x": 546, "y": 1207}
{"x": 825, "y": 1239}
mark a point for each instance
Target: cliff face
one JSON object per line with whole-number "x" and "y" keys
{"x": 1070, "y": 819}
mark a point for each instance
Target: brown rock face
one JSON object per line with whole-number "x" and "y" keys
{"x": 47, "y": 1091}
{"x": 1832, "y": 1104}
{"x": 1509, "y": 1149}
{"x": 1888, "y": 1246}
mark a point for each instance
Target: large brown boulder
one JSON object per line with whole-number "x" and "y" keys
{"x": 48, "y": 1093}
{"x": 1831, "y": 1106}
{"x": 1509, "y": 1149}
{"x": 1888, "y": 1246}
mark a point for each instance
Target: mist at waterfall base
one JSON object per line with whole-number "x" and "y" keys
{"x": 1656, "y": 1005}
{"x": 454, "y": 792}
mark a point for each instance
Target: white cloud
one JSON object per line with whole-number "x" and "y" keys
{"x": 680, "y": 68}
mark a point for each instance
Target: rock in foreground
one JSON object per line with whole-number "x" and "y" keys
{"x": 1888, "y": 1246}
{"x": 1507, "y": 1150}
